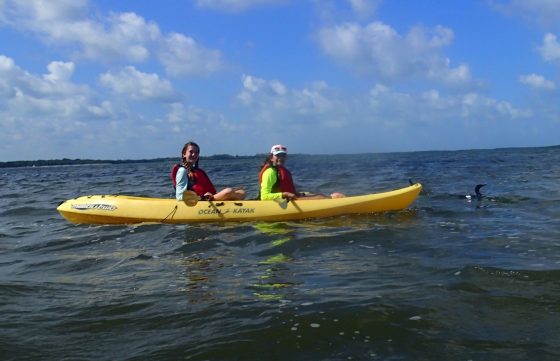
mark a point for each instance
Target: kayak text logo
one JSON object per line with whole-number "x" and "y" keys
{"x": 85, "y": 207}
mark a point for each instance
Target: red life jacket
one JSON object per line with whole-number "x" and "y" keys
{"x": 201, "y": 184}
{"x": 284, "y": 182}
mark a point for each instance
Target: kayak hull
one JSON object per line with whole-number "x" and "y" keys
{"x": 122, "y": 209}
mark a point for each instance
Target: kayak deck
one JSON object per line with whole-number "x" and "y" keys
{"x": 122, "y": 209}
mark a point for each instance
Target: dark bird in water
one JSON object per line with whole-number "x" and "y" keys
{"x": 477, "y": 193}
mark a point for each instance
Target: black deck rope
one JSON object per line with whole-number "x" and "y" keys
{"x": 170, "y": 213}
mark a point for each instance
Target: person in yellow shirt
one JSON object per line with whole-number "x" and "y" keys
{"x": 275, "y": 180}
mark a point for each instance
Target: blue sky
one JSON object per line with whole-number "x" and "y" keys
{"x": 137, "y": 79}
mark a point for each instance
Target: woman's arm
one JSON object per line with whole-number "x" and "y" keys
{"x": 182, "y": 179}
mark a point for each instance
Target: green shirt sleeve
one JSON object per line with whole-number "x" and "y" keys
{"x": 269, "y": 178}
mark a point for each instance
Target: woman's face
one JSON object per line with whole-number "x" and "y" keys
{"x": 191, "y": 154}
{"x": 279, "y": 159}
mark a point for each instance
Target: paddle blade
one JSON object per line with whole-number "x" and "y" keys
{"x": 190, "y": 198}
{"x": 282, "y": 202}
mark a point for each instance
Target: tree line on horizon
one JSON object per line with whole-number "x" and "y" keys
{"x": 77, "y": 161}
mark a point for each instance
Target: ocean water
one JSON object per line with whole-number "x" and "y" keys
{"x": 446, "y": 279}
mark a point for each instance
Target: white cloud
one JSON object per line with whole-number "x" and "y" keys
{"x": 39, "y": 111}
{"x": 364, "y": 8}
{"x": 124, "y": 35}
{"x": 543, "y": 12}
{"x": 187, "y": 117}
{"x": 476, "y": 106}
{"x": 115, "y": 37}
{"x": 176, "y": 113}
{"x": 257, "y": 87}
{"x": 182, "y": 56}
{"x": 273, "y": 95}
{"x": 273, "y": 103}
{"x": 324, "y": 107}
{"x": 27, "y": 94}
{"x": 378, "y": 50}
{"x": 139, "y": 85}
{"x": 104, "y": 110}
{"x": 401, "y": 108}
{"x": 550, "y": 50}
{"x": 330, "y": 10}
{"x": 235, "y": 5}
{"x": 199, "y": 123}
{"x": 537, "y": 81}
{"x": 55, "y": 85}
{"x": 373, "y": 119}
{"x": 48, "y": 115}
{"x": 59, "y": 71}
{"x": 20, "y": 13}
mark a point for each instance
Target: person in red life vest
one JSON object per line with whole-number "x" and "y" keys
{"x": 190, "y": 177}
{"x": 275, "y": 180}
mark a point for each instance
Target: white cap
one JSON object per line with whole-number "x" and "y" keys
{"x": 278, "y": 148}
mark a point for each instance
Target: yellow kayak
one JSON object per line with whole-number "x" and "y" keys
{"x": 122, "y": 209}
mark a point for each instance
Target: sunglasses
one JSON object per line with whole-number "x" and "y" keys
{"x": 281, "y": 155}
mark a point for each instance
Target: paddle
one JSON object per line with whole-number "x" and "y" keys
{"x": 283, "y": 202}
{"x": 190, "y": 198}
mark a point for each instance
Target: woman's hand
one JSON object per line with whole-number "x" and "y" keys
{"x": 289, "y": 196}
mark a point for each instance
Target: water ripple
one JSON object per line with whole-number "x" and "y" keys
{"x": 447, "y": 279}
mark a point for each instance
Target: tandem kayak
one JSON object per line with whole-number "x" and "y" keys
{"x": 122, "y": 209}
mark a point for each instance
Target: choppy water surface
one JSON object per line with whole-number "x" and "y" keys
{"x": 447, "y": 279}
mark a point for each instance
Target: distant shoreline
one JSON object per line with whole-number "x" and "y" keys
{"x": 66, "y": 161}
